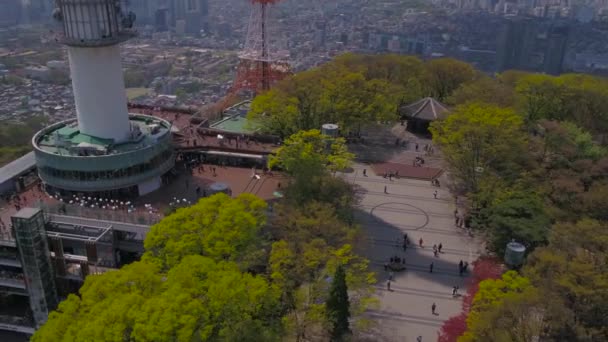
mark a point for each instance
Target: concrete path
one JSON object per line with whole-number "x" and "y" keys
{"x": 409, "y": 207}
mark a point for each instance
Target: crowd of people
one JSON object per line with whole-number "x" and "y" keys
{"x": 397, "y": 263}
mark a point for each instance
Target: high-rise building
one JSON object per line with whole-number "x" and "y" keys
{"x": 516, "y": 40}
{"x": 557, "y": 39}
{"x": 10, "y": 12}
{"x": 144, "y": 9}
{"x": 36, "y": 11}
{"x": 161, "y": 20}
{"x": 194, "y": 13}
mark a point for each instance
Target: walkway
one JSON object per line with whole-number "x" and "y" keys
{"x": 409, "y": 207}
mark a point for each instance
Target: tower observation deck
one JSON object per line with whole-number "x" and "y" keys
{"x": 105, "y": 149}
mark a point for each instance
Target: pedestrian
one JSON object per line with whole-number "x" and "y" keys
{"x": 431, "y": 267}
{"x": 388, "y": 285}
{"x": 439, "y": 247}
{"x": 364, "y": 172}
{"x": 416, "y": 147}
{"x": 420, "y": 242}
{"x": 435, "y": 248}
{"x": 465, "y": 267}
{"x": 435, "y": 194}
{"x": 403, "y": 260}
{"x": 436, "y": 253}
{"x": 433, "y": 308}
{"x": 385, "y": 191}
{"x": 461, "y": 264}
{"x": 454, "y": 290}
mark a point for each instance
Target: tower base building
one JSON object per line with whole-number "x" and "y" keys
{"x": 70, "y": 161}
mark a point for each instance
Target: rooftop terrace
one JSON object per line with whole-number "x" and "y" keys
{"x": 64, "y": 138}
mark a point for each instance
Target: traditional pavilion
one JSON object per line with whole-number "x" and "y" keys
{"x": 421, "y": 113}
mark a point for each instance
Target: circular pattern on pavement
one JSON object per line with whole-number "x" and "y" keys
{"x": 408, "y": 210}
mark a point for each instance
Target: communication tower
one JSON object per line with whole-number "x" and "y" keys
{"x": 261, "y": 64}
{"x": 105, "y": 150}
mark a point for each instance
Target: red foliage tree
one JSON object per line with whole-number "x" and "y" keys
{"x": 483, "y": 268}
{"x": 453, "y": 327}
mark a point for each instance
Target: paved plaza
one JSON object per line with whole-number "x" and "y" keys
{"x": 409, "y": 206}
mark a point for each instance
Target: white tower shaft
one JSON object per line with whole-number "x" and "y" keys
{"x": 92, "y": 30}
{"x": 99, "y": 92}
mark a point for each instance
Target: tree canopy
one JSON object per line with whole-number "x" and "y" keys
{"x": 529, "y": 153}
{"x": 197, "y": 300}
{"x": 479, "y": 138}
{"x": 354, "y": 91}
{"x": 338, "y": 311}
{"x": 218, "y": 227}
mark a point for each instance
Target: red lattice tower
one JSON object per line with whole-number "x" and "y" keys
{"x": 261, "y": 64}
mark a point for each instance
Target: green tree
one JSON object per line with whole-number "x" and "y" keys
{"x": 396, "y": 69}
{"x": 573, "y": 272}
{"x": 520, "y": 316}
{"x": 337, "y": 306}
{"x": 594, "y": 202}
{"x": 276, "y": 112}
{"x": 352, "y": 101}
{"x": 483, "y": 89}
{"x": 353, "y": 91}
{"x": 309, "y": 156}
{"x": 578, "y": 98}
{"x": 202, "y": 300}
{"x": 492, "y": 291}
{"x": 135, "y": 79}
{"x": 310, "y": 152}
{"x": 219, "y": 227}
{"x": 479, "y": 138}
{"x": 284, "y": 271}
{"x": 107, "y": 307}
{"x": 520, "y": 217}
{"x": 541, "y": 97}
{"x": 181, "y": 94}
{"x": 12, "y": 80}
{"x": 445, "y": 75}
{"x": 197, "y": 300}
